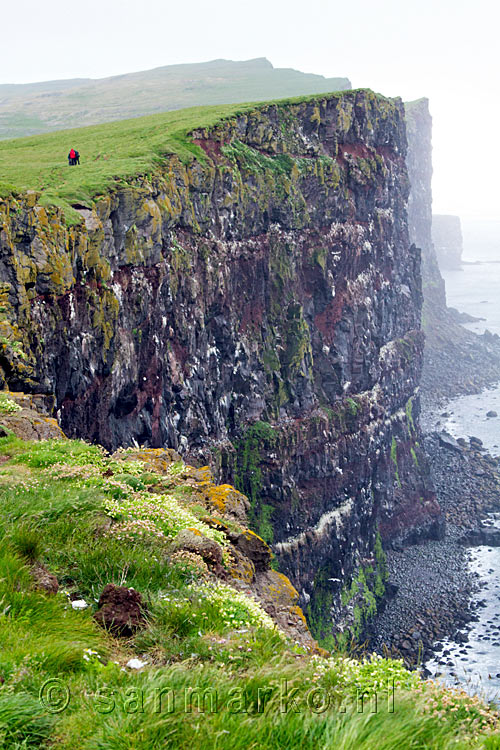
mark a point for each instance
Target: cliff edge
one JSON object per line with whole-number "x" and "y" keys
{"x": 256, "y": 306}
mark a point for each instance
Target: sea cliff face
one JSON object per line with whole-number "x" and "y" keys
{"x": 448, "y": 240}
{"x": 419, "y": 162}
{"x": 258, "y": 309}
{"x": 455, "y": 360}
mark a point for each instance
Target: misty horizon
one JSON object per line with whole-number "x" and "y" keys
{"x": 445, "y": 52}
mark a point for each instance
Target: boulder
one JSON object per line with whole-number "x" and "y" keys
{"x": 120, "y": 610}
{"x": 475, "y": 442}
{"x": 228, "y": 502}
{"x": 490, "y": 414}
{"x": 193, "y": 540}
{"x": 449, "y": 442}
{"x": 252, "y": 546}
{"x": 30, "y": 425}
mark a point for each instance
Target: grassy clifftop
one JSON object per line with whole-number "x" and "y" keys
{"x": 115, "y": 152}
{"x": 109, "y": 153}
{"x": 206, "y": 666}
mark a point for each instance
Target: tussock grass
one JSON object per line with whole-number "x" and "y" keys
{"x": 53, "y": 515}
{"x": 23, "y": 723}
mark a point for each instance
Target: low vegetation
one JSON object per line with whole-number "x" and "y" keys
{"x": 210, "y": 669}
{"x": 115, "y": 153}
{"x": 110, "y": 154}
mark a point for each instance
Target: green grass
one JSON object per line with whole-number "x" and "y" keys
{"x": 111, "y": 154}
{"x": 53, "y": 498}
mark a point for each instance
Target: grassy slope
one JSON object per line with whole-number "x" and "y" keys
{"x": 110, "y": 153}
{"x": 55, "y": 498}
{"x": 37, "y": 108}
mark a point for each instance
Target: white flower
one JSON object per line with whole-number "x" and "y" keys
{"x": 136, "y": 664}
{"x": 79, "y": 604}
{"x": 231, "y": 601}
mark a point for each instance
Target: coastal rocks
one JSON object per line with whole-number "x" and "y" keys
{"x": 482, "y": 535}
{"x": 435, "y": 604}
{"x": 475, "y": 442}
{"x": 438, "y": 601}
{"x": 447, "y": 441}
{"x": 467, "y": 483}
{"x": 121, "y": 610}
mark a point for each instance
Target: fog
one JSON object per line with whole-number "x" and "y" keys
{"x": 444, "y": 50}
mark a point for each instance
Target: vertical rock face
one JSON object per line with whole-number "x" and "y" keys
{"x": 260, "y": 305}
{"x": 447, "y": 239}
{"x": 456, "y": 360}
{"x": 419, "y": 162}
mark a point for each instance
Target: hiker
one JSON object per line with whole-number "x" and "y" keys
{"x": 73, "y": 158}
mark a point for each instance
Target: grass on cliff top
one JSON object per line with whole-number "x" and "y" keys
{"x": 110, "y": 153}
{"x": 63, "y": 680}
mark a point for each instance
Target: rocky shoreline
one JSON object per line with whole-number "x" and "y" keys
{"x": 456, "y": 362}
{"x": 430, "y": 584}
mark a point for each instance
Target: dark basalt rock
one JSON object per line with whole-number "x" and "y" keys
{"x": 120, "y": 610}
{"x": 255, "y": 548}
{"x": 483, "y": 535}
{"x": 258, "y": 311}
{"x": 447, "y": 441}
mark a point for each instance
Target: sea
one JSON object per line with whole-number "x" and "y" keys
{"x": 475, "y": 289}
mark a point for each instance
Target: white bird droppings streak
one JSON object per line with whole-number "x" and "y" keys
{"x": 326, "y": 520}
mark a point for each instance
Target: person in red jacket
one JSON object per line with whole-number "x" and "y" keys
{"x": 73, "y": 157}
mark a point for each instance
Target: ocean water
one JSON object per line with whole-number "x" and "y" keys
{"x": 475, "y": 664}
{"x": 476, "y": 288}
{"x": 468, "y": 418}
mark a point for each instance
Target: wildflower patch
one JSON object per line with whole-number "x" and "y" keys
{"x": 143, "y": 514}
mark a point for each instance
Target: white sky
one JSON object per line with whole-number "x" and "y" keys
{"x": 446, "y": 50}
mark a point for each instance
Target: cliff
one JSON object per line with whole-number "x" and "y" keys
{"x": 448, "y": 241}
{"x": 419, "y": 162}
{"x": 256, "y": 307}
{"x": 455, "y": 360}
